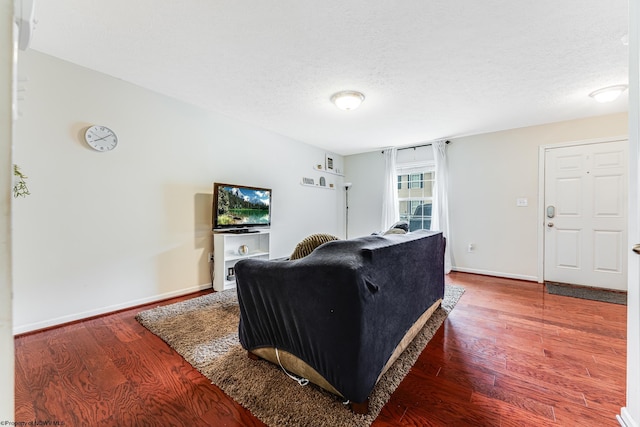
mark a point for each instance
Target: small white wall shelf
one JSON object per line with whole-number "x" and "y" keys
{"x": 320, "y": 168}
{"x": 312, "y": 182}
{"x": 332, "y": 164}
{"x": 226, "y": 253}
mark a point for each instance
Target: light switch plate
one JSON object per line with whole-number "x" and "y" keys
{"x": 522, "y": 202}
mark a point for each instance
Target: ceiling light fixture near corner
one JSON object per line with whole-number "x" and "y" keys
{"x": 608, "y": 94}
{"x": 347, "y": 99}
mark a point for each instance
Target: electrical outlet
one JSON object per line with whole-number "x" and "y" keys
{"x": 210, "y": 256}
{"x": 471, "y": 247}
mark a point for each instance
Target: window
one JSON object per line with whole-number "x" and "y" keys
{"x": 416, "y": 180}
{"x": 415, "y": 195}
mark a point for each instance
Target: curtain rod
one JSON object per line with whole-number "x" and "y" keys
{"x": 418, "y": 146}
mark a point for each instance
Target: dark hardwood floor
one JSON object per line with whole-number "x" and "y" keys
{"x": 508, "y": 355}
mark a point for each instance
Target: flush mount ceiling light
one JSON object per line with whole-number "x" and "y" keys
{"x": 347, "y": 99}
{"x": 608, "y": 94}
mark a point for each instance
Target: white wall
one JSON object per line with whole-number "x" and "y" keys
{"x": 631, "y": 413}
{"x": 6, "y": 175}
{"x": 366, "y": 172}
{"x": 101, "y": 231}
{"x": 487, "y": 174}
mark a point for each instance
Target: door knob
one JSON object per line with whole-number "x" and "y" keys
{"x": 636, "y": 248}
{"x": 551, "y": 225}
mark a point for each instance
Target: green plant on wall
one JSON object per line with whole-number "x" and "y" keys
{"x": 20, "y": 188}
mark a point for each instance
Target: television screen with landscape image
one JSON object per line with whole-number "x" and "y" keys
{"x": 237, "y": 206}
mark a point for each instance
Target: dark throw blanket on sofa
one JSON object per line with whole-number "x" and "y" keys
{"x": 344, "y": 308}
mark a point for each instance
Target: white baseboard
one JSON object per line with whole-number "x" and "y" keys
{"x": 496, "y": 274}
{"x": 104, "y": 310}
{"x": 625, "y": 419}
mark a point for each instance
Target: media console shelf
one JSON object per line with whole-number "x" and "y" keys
{"x": 228, "y": 249}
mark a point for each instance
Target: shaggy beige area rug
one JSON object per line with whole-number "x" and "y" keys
{"x": 204, "y": 331}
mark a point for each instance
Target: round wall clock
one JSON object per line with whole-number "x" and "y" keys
{"x": 101, "y": 138}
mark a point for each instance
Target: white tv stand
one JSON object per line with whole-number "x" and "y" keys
{"x": 226, "y": 253}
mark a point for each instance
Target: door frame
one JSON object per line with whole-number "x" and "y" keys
{"x": 541, "y": 192}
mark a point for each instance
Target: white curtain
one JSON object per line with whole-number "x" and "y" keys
{"x": 390, "y": 210}
{"x": 440, "y": 210}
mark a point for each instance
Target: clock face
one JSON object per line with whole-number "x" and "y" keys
{"x": 101, "y": 138}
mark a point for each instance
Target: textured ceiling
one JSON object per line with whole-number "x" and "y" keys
{"x": 429, "y": 68}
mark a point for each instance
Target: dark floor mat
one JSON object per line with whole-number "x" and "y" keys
{"x": 596, "y": 294}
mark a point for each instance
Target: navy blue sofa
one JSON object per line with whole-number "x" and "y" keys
{"x": 342, "y": 314}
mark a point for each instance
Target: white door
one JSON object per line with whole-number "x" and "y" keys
{"x": 585, "y": 239}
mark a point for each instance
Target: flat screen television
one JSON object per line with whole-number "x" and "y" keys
{"x": 240, "y": 208}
